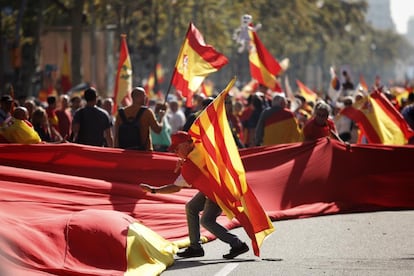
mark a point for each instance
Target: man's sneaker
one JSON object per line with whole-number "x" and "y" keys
{"x": 236, "y": 251}
{"x": 191, "y": 252}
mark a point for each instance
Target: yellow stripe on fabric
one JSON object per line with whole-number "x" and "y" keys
{"x": 147, "y": 252}
{"x": 281, "y": 132}
{"x": 261, "y": 235}
{"x": 229, "y": 148}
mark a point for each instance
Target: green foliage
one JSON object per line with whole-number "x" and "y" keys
{"x": 308, "y": 32}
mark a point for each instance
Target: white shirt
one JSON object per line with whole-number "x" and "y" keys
{"x": 176, "y": 120}
{"x": 180, "y": 182}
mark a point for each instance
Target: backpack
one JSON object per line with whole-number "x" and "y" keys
{"x": 129, "y": 135}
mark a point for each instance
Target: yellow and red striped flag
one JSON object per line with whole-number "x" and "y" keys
{"x": 195, "y": 62}
{"x": 378, "y": 120}
{"x": 308, "y": 94}
{"x": 65, "y": 79}
{"x": 123, "y": 81}
{"x": 215, "y": 168}
{"x": 263, "y": 66}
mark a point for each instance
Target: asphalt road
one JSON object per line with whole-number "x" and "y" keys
{"x": 377, "y": 243}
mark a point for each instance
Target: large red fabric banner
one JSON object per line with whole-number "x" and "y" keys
{"x": 47, "y": 187}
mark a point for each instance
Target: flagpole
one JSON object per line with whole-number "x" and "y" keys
{"x": 176, "y": 62}
{"x": 168, "y": 90}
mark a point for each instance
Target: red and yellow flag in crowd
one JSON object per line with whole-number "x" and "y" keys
{"x": 263, "y": 66}
{"x": 215, "y": 168}
{"x": 150, "y": 84}
{"x": 306, "y": 92}
{"x": 378, "y": 120}
{"x": 207, "y": 88}
{"x": 195, "y": 62}
{"x": 123, "y": 80}
{"x": 65, "y": 78}
{"x": 363, "y": 84}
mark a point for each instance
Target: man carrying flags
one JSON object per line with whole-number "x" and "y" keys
{"x": 210, "y": 162}
{"x": 182, "y": 144}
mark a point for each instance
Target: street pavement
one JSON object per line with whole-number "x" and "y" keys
{"x": 375, "y": 243}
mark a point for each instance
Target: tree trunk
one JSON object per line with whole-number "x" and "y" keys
{"x": 76, "y": 41}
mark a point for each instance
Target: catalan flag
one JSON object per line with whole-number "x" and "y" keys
{"x": 379, "y": 121}
{"x": 263, "y": 66}
{"x": 215, "y": 168}
{"x": 308, "y": 94}
{"x": 195, "y": 62}
{"x": 123, "y": 81}
{"x": 65, "y": 79}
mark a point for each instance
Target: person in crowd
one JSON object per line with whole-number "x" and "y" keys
{"x": 234, "y": 122}
{"x": 41, "y": 124}
{"x": 147, "y": 120}
{"x": 344, "y": 125}
{"x": 347, "y": 86}
{"x": 176, "y": 116}
{"x": 277, "y": 124}
{"x": 197, "y": 104}
{"x": 302, "y": 111}
{"x": 320, "y": 124}
{"x": 75, "y": 104}
{"x": 408, "y": 110}
{"x": 161, "y": 141}
{"x": 30, "y": 105}
{"x": 64, "y": 117}
{"x": 51, "y": 112}
{"x": 91, "y": 124}
{"x": 238, "y": 108}
{"x": 182, "y": 144}
{"x": 108, "y": 105}
{"x": 17, "y": 129}
{"x": 191, "y": 118}
{"x": 250, "y": 117}
{"x": 408, "y": 114}
{"x": 6, "y": 105}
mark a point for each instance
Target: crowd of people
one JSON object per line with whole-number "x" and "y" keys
{"x": 263, "y": 118}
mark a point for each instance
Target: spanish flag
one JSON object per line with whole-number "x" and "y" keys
{"x": 215, "y": 168}
{"x": 308, "y": 94}
{"x": 65, "y": 80}
{"x": 149, "y": 87}
{"x": 263, "y": 66}
{"x": 378, "y": 120}
{"x": 123, "y": 81}
{"x": 195, "y": 62}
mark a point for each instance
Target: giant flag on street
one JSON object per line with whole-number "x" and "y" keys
{"x": 378, "y": 120}
{"x": 68, "y": 209}
{"x": 308, "y": 94}
{"x": 195, "y": 62}
{"x": 215, "y": 168}
{"x": 65, "y": 79}
{"x": 263, "y": 66}
{"x": 123, "y": 81}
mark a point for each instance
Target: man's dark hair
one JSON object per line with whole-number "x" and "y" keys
{"x": 90, "y": 94}
{"x": 51, "y": 100}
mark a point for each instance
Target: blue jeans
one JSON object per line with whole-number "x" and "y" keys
{"x": 208, "y": 220}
